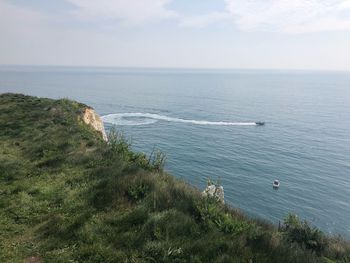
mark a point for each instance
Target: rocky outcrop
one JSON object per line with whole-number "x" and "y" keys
{"x": 91, "y": 118}
{"x": 216, "y": 191}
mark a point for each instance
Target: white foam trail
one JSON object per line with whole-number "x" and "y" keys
{"x": 118, "y": 119}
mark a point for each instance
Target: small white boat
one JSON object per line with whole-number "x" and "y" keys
{"x": 276, "y": 184}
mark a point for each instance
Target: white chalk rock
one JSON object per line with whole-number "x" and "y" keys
{"x": 90, "y": 117}
{"x": 216, "y": 191}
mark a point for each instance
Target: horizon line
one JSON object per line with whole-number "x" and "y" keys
{"x": 9, "y": 66}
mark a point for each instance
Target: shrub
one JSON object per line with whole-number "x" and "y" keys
{"x": 137, "y": 192}
{"x": 10, "y": 170}
{"x": 119, "y": 146}
{"x": 157, "y": 160}
{"x": 303, "y": 234}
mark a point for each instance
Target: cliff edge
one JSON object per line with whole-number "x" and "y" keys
{"x": 67, "y": 196}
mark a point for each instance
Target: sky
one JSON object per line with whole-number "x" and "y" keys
{"x": 233, "y": 34}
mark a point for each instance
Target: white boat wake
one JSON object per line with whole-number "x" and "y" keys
{"x": 139, "y": 118}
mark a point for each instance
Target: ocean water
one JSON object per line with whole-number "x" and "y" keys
{"x": 204, "y": 120}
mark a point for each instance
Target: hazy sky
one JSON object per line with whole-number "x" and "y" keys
{"x": 283, "y": 34}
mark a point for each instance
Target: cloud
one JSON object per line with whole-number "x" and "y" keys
{"x": 132, "y": 12}
{"x": 286, "y": 16}
{"x": 290, "y": 16}
{"x": 13, "y": 18}
{"x": 139, "y": 12}
{"x": 201, "y": 21}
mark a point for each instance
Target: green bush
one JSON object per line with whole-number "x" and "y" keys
{"x": 119, "y": 146}
{"x": 137, "y": 192}
{"x": 303, "y": 234}
{"x": 10, "y": 170}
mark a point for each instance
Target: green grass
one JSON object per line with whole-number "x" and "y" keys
{"x": 66, "y": 196}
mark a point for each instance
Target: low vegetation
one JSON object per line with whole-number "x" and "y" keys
{"x": 66, "y": 196}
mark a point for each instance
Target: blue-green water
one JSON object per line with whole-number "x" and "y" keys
{"x": 192, "y": 116}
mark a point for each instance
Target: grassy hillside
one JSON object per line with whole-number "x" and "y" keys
{"x": 66, "y": 196}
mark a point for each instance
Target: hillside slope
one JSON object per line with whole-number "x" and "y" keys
{"x": 67, "y": 196}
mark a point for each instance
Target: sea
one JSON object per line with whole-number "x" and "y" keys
{"x": 204, "y": 121}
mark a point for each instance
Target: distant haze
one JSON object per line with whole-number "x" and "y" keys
{"x": 271, "y": 34}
